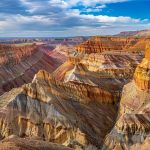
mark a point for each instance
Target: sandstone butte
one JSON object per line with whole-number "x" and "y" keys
{"x": 77, "y": 105}
{"x": 19, "y": 64}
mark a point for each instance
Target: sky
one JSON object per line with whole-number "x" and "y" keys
{"x": 63, "y": 18}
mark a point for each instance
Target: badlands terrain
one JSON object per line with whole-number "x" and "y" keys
{"x": 91, "y": 95}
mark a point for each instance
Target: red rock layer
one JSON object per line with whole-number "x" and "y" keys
{"x": 20, "y": 64}
{"x": 101, "y": 44}
{"x": 109, "y": 71}
{"x": 11, "y": 55}
{"x": 133, "y": 124}
{"x": 77, "y": 104}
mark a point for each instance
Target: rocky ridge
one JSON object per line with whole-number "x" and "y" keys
{"x": 101, "y": 44}
{"x": 132, "y": 128}
{"x": 48, "y": 109}
{"x": 77, "y": 104}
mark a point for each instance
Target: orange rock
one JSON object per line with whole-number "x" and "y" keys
{"x": 102, "y": 44}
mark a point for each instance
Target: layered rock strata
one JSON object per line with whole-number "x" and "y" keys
{"x": 76, "y": 105}
{"x": 20, "y": 64}
{"x": 133, "y": 126}
{"x": 102, "y": 44}
{"x": 57, "y": 112}
{"x": 109, "y": 71}
{"x": 11, "y": 55}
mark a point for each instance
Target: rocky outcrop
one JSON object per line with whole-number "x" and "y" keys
{"x": 109, "y": 71}
{"x": 16, "y": 143}
{"x": 142, "y": 73}
{"x": 132, "y": 128}
{"x": 102, "y": 44}
{"x": 77, "y": 104}
{"x": 57, "y": 112}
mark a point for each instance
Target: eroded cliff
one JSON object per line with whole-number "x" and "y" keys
{"x": 57, "y": 112}
{"x": 19, "y": 64}
{"x": 77, "y": 104}
{"x": 133, "y": 125}
{"x": 100, "y": 44}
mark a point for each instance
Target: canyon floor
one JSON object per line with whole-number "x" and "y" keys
{"x": 92, "y": 95}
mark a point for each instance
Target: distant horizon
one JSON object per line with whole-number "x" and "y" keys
{"x": 69, "y": 36}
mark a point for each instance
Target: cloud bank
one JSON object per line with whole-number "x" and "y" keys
{"x": 62, "y": 18}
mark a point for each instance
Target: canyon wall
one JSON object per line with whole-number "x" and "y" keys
{"x": 62, "y": 113}
{"x": 11, "y": 55}
{"x": 101, "y": 44}
{"x": 132, "y": 128}
{"x": 77, "y": 104}
{"x": 19, "y": 64}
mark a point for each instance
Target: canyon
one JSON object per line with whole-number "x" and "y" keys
{"x": 19, "y": 64}
{"x": 132, "y": 127}
{"x": 90, "y": 96}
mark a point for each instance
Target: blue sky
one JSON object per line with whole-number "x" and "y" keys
{"x": 56, "y": 18}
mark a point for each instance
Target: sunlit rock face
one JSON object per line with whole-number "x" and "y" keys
{"x": 77, "y": 104}
{"x": 68, "y": 114}
{"x": 133, "y": 125}
{"x": 101, "y": 44}
{"x": 19, "y": 64}
{"x": 142, "y": 73}
{"x": 109, "y": 71}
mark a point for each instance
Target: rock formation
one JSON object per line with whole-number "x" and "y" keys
{"x": 101, "y": 44}
{"x": 77, "y": 104}
{"x": 19, "y": 64}
{"x": 132, "y": 128}
{"x": 57, "y": 112}
{"x": 109, "y": 71}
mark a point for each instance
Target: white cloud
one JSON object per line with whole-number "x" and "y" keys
{"x": 110, "y": 19}
{"x": 92, "y": 2}
{"x": 58, "y": 16}
{"x": 34, "y": 6}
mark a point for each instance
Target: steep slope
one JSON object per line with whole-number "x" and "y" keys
{"x": 57, "y": 112}
{"x": 77, "y": 104}
{"x": 133, "y": 126}
{"x": 19, "y": 64}
{"x": 109, "y": 71}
